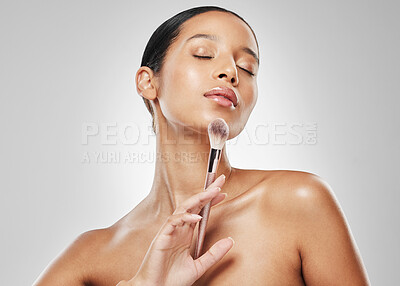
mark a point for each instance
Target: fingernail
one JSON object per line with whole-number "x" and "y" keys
{"x": 196, "y": 216}
{"x": 214, "y": 189}
{"x": 232, "y": 240}
{"x": 223, "y": 176}
{"x": 225, "y": 194}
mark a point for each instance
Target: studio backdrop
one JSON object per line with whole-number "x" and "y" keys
{"x": 77, "y": 151}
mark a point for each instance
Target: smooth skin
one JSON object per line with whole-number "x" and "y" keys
{"x": 288, "y": 226}
{"x": 174, "y": 240}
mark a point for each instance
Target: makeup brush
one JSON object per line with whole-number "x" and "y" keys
{"x": 218, "y": 132}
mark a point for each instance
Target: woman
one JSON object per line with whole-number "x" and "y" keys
{"x": 287, "y": 227}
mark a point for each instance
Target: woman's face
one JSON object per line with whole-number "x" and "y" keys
{"x": 228, "y": 62}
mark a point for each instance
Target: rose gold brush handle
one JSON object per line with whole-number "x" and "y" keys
{"x": 205, "y": 212}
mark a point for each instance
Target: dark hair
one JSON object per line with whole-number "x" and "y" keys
{"x": 165, "y": 35}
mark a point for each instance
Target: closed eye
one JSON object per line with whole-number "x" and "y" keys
{"x": 209, "y": 57}
{"x": 202, "y": 57}
{"x": 249, "y": 72}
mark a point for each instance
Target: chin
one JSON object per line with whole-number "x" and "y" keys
{"x": 197, "y": 117}
{"x": 207, "y": 117}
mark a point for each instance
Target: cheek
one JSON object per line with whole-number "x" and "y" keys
{"x": 251, "y": 94}
{"x": 180, "y": 77}
{"x": 181, "y": 88}
{"x": 255, "y": 95}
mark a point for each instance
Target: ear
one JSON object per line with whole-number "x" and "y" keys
{"x": 146, "y": 83}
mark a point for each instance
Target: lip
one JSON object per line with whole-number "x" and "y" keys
{"x": 225, "y": 92}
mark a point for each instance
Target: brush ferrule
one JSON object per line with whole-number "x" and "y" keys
{"x": 215, "y": 155}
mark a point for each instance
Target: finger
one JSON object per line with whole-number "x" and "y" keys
{"x": 192, "y": 201}
{"x": 195, "y": 203}
{"x": 213, "y": 255}
{"x": 219, "y": 198}
{"x": 199, "y": 197}
{"x": 217, "y": 183}
{"x": 178, "y": 220}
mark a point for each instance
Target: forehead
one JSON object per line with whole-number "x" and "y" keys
{"x": 225, "y": 26}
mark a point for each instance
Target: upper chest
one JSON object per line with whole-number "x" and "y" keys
{"x": 264, "y": 253}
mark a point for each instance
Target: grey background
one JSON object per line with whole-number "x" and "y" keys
{"x": 65, "y": 64}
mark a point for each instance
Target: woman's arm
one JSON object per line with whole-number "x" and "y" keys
{"x": 327, "y": 249}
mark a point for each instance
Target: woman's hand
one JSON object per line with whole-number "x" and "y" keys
{"x": 168, "y": 261}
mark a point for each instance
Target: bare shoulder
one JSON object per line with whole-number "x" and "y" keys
{"x": 72, "y": 266}
{"x": 102, "y": 256}
{"x": 307, "y": 205}
{"x": 300, "y": 198}
{"x": 295, "y": 188}
{"x": 286, "y": 191}
{"x": 294, "y": 184}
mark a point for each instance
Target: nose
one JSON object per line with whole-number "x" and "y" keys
{"x": 228, "y": 72}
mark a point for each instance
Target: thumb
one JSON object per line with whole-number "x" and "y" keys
{"x": 213, "y": 255}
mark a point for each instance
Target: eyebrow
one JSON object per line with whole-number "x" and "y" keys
{"x": 216, "y": 39}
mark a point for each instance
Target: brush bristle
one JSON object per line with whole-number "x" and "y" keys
{"x": 218, "y": 132}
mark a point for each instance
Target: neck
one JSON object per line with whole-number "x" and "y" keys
{"x": 181, "y": 167}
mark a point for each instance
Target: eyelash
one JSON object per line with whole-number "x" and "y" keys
{"x": 208, "y": 57}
